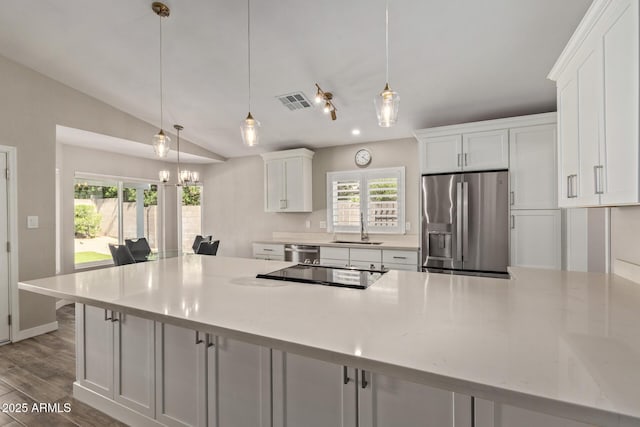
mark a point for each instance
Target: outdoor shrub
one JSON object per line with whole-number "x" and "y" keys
{"x": 87, "y": 221}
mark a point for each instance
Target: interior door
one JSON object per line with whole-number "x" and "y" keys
{"x": 441, "y": 221}
{"x": 4, "y": 255}
{"x": 485, "y": 242}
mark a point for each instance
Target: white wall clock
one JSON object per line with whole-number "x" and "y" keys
{"x": 363, "y": 157}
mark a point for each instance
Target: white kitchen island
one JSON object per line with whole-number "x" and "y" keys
{"x": 415, "y": 349}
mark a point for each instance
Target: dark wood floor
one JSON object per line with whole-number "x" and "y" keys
{"x": 42, "y": 370}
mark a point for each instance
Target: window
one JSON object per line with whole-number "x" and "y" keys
{"x": 190, "y": 215}
{"x": 108, "y": 210}
{"x": 377, "y": 195}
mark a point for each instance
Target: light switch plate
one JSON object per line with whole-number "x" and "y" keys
{"x": 407, "y": 226}
{"x": 323, "y": 224}
{"x": 32, "y": 222}
{"x": 307, "y": 224}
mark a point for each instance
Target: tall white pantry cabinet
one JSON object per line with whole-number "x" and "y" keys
{"x": 526, "y": 146}
{"x": 597, "y": 79}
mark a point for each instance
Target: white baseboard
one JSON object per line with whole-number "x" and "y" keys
{"x": 628, "y": 270}
{"x": 112, "y": 408}
{"x": 38, "y": 330}
{"x": 62, "y": 302}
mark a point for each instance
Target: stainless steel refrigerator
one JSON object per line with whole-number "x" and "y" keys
{"x": 465, "y": 223}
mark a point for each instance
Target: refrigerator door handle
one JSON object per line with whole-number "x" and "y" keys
{"x": 458, "y": 221}
{"x": 465, "y": 217}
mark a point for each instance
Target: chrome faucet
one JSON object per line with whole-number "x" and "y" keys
{"x": 364, "y": 236}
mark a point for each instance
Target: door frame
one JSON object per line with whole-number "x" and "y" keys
{"x": 12, "y": 235}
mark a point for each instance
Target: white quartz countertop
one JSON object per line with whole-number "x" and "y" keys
{"x": 558, "y": 342}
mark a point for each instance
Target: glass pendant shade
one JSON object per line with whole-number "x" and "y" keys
{"x": 185, "y": 177}
{"x": 161, "y": 144}
{"x": 249, "y": 131}
{"x": 387, "y": 103}
{"x": 195, "y": 177}
{"x": 164, "y": 176}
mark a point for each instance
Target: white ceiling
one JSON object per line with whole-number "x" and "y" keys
{"x": 451, "y": 61}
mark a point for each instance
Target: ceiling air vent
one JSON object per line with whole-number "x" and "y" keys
{"x": 295, "y": 101}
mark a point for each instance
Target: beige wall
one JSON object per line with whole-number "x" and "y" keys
{"x": 31, "y": 105}
{"x": 625, "y": 234}
{"x": 234, "y": 194}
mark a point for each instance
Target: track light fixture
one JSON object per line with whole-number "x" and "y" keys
{"x": 326, "y": 97}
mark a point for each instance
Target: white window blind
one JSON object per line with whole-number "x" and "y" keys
{"x": 378, "y": 194}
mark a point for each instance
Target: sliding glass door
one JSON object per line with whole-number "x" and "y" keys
{"x": 108, "y": 211}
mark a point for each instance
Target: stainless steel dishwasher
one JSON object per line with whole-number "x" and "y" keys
{"x": 302, "y": 254}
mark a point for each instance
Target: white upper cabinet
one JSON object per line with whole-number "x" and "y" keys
{"x": 287, "y": 181}
{"x": 485, "y": 150}
{"x": 532, "y": 164}
{"x": 477, "y": 146}
{"x": 598, "y": 104}
{"x": 441, "y": 154}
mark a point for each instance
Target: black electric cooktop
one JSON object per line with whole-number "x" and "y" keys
{"x": 328, "y": 276}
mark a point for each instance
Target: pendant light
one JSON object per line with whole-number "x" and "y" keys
{"x": 387, "y": 101}
{"x": 184, "y": 176}
{"x": 161, "y": 141}
{"x": 249, "y": 127}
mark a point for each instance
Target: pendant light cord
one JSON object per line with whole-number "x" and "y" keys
{"x": 386, "y": 27}
{"x": 178, "y": 148}
{"x": 161, "y": 110}
{"x": 249, "y": 48}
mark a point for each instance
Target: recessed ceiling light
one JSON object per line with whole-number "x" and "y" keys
{"x": 355, "y": 132}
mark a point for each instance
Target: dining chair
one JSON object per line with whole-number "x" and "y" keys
{"x": 208, "y": 248}
{"x": 139, "y": 248}
{"x": 121, "y": 254}
{"x": 197, "y": 240}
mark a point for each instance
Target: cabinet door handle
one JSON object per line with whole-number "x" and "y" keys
{"x": 597, "y": 172}
{"x": 198, "y": 340}
{"x": 345, "y": 376}
{"x": 364, "y": 382}
{"x": 105, "y": 315}
{"x": 399, "y": 257}
{"x": 513, "y": 222}
{"x": 459, "y": 160}
{"x": 513, "y": 198}
{"x": 569, "y": 186}
{"x": 268, "y": 250}
{"x": 466, "y": 158}
{"x": 209, "y": 339}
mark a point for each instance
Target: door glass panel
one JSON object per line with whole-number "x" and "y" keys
{"x": 191, "y": 214}
{"x": 95, "y": 220}
{"x": 140, "y": 212}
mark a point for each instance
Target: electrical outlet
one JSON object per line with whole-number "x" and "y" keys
{"x": 307, "y": 224}
{"x": 323, "y": 225}
{"x": 407, "y": 226}
{"x": 32, "y": 222}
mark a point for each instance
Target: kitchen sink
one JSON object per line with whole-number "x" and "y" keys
{"x": 355, "y": 242}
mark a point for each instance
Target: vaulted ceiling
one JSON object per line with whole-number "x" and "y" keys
{"x": 452, "y": 61}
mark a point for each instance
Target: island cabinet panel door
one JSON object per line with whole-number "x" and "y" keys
{"x": 493, "y": 414}
{"x": 180, "y": 376}
{"x": 312, "y": 393}
{"x": 134, "y": 363}
{"x": 387, "y": 401}
{"x": 94, "y": 349}
{"x": 239, "y": 383}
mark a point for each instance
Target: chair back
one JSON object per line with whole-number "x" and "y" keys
{"x": 208, "y": 248}
{"x": 121, "y": 254}
{"x": 139, "y": 248}
{"x": 197, "y": 240}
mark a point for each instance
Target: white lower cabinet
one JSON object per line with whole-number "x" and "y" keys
{"x": 493, "y": 414}
{"x": 181, "y": 376}
{"x": 314, "y": 393}
{"x": 536, "y": 238}
{"x": 238, "y": 383}
{"x": 387, "y": 401}
{"x": 116, "y": 357}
